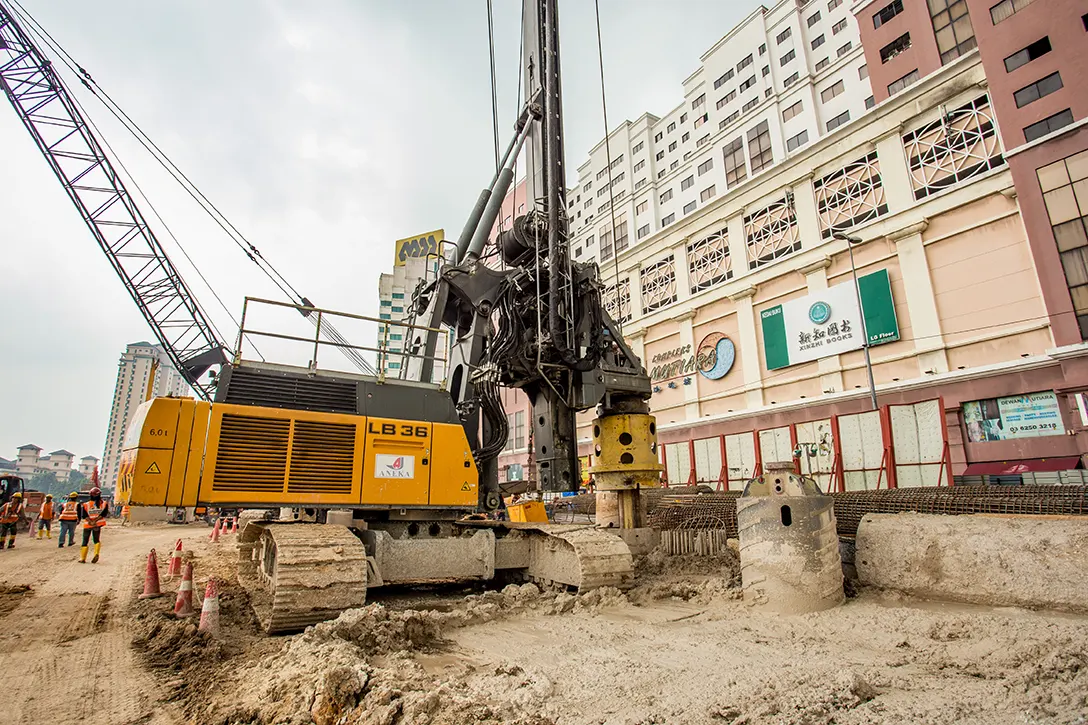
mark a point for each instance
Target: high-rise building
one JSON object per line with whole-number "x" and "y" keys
{"x": 140, "y": 361}
{"x": 776, "y": 83}
{"x": 416, "y": 261}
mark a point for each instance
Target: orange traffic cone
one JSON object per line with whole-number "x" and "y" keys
{"x": 174, "y": 569}
{"x": 183, "y": 605}
{"x": 215, "y": 532}
{"x": 209, "y": 612}
{"x": 234, "y": 529}
{"x": 151, "y": 579}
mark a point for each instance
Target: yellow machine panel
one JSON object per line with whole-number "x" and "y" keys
{"x": 454, "y": 479}
{"x": 398, "y": 462}
{"x": 527, "y": 511}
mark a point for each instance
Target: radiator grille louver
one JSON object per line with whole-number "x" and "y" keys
{"x": 252, "y": 454}
{"x": 278, "y": 390}
{"x": 322, "y": 458}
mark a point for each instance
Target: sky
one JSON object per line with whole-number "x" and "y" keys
{"x": 323, "y": 130}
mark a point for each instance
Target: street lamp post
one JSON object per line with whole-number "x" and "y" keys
{"x": 850, "y": 242}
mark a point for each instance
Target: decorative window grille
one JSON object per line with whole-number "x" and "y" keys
{"x": 850, "y": 196}
{"x": 709, "y": 262}
{"x": 658, "y": 284}
{"x": 771, "y": 233}
{"x": 957, "y": 146}
{"x": 617, "y": 300}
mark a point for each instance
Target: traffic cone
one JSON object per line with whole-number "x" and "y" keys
{"x": 183, "y": 605}
{"x": 215, "y": 532}
{"x": 151, "y": 579}
{"x": 234, "y": 529}
{"x": 174, "y": 569}
{"x": 209, "y": 611}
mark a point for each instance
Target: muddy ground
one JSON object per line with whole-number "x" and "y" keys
{"x": 679, "y": 648}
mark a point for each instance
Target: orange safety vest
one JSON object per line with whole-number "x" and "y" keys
{"x": 69, "y": 511}
{"x": 9, "y": 512}
{"x": 92, "y": 513}
{"x": 46, "y": 514}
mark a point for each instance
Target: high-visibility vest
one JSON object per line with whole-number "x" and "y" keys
{"x": 46, "y": 514}
{"x": 69, "y": 511}
{"x": 92, "y": 514}
{"x": 9, "y": 512}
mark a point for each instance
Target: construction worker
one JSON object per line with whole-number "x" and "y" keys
{"x": 45, "y": 517}
{"x": 9, "y": 519}
{"x": 125, "y": 513}
{"x": 93, "y": 514}
{"x": 69, "y": 517}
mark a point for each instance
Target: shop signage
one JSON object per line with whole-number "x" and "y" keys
{"x": 1018, "y": 416}
{"x": 713, "y": 360}
{"x": 829, "y": 323}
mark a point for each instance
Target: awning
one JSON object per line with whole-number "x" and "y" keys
{"x": 1031, "y": 465}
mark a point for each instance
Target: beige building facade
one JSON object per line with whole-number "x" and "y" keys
{"x": 737, "y": 312}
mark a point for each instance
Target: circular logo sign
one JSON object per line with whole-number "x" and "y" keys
{"x": 716, "y": 356}
{"x": 819, "y": 313}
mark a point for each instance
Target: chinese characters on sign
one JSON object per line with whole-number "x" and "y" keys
{"x": 1019, "y": 416}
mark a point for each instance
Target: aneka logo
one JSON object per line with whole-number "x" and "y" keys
{"x": 389, "y": 466}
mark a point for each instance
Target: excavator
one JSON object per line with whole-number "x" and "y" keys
{"x": 391, "y": 480}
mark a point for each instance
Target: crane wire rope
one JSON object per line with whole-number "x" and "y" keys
{"x": 608, "y": 160}
{"x": 248, "y": 248}
{"x": 494, "y": 91}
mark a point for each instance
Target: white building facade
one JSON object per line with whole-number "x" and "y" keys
{"x": 395, "y": 291}
{"x": 781, "y": 79}
{"x": 134, "y": 380}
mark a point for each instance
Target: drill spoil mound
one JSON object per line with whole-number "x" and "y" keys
{"x": 994, "y": 560}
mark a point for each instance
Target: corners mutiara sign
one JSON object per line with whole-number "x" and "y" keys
{"x": 817, "y": 326}
{"x": 714, "y": 359}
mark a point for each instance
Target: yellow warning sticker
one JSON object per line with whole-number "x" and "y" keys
{"x": 153, "y": 468}
{"x": 466, "y": 487}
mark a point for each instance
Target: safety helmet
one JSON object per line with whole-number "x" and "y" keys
{"x": 96, "y": 491}
{"x": 73, "y": 495}
{"x": 48, "y": 496}
{"x": 18, "y": 495}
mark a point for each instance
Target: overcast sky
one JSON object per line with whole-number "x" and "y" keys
{"x": 324, "y": 130}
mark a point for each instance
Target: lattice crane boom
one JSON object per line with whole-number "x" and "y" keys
{"x": 76, "y": 157}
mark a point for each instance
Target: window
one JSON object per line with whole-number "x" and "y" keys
{"x": 952, "y": 26}
{"x": 1022, "y": 57}
{"x": 723, "y": 79}
{"x": 643, "y": 231}
{"x": 672, "y": 147}
{"x": 735, "y": 170}
{"x": 398, "y": 295}
{"x": 618, "y": 178}
{"x": 698, "y": 102}
{"x": 813, "y": 19}
{"x": 895, "y": 47}
{"x": 601, "y": 174}
{"x": 683, "y": 117}
{"x": 792, "y": 111}
{"x": 907, "y": 80}
{"x": 863, "y": 72}
{"x": 671, "y": 127}
{"x": 817, "y": 41}
{"x": 728, "y": 119}
{"x": 747, "y": 84}
{"x": 673, "y": 165}
{"x": 833, "y": 4}
{"x": 642, "y": 206}
{"x": 384, "y": 316}
{"x": 700, "y": 120}
{"x": 783, "y": 36}
{"x": 786, "y": 58}
{"x": 831, "y": 92}
{"x": 589, "y": 203}
{"x": 838, "y": 27}
{"x": 747, "y": 61}
{"x": 658, "y": 137}
{"x": 602, "y": 191}
{"x": 749, "y": 105}
{"x": 660, "y": 155}
{"x": 843, "y": 50}
{"x": 887, "y": 12}
{"x": 706, "y": 166}
{"x": 869, "y": 102}
{"x": 687, "y": 183}
{"x": 766, "y": 71}
{"x": 707, "y": 194}
{"x": 838, "y": 120}
{"x": 689, "y": 208}
{"x": 577, "y": 252}
{"x": 588, "y": 186}
{"x": 665, "y": 196}
{"x": 703, "y": 140}
{"x": 637, "y": 148}
{"x": 1048, "y": 125}
{"x": 621, "y": 236}
{"x": 639, "y": 165}
{"x": 1007, "y": 8}
{"x": 759, "y": 147}
{"x": 666, "y": 221}
{"x": 797, "y": 141}
{"x": 639, "y": 184}
{"x": 685, "y": 137}
{"x": 386, "y": 303}
{"x": 820, "y": 65}
{"x": 1038, "y": 89}
{"x": 662, "y": 173}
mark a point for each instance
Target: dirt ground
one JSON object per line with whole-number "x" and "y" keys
{"x": 679, "y": 648}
